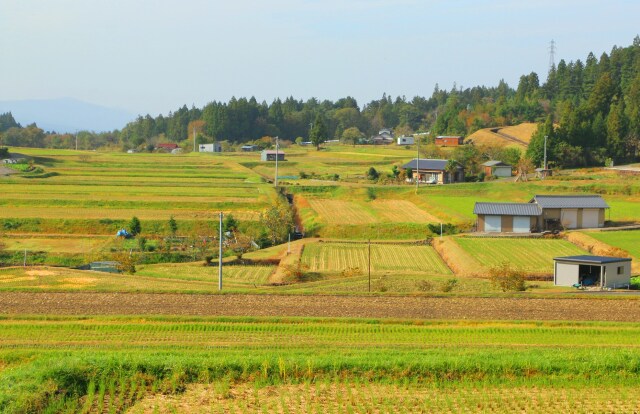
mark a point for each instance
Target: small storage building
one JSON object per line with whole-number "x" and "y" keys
{"x": 215, "y": 147}
{"x": 249, "y": 148}
{"x": 271, "y": 155}
{"x": 507, "y": 217}
{"x": 405, "y": 140}
{"x": 497, "y": 168}
{"x": 602, "y": 271}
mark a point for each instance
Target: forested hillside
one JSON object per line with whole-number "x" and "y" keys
{"x": 589, "y": 110}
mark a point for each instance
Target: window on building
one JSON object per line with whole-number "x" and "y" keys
{"x": 620, "y": 270}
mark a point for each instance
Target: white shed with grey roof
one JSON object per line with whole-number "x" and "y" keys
{"x": 597, "y": 271}
{"x": 507, "y": 217}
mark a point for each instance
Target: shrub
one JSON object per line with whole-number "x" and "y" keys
{"x": 296, "y": 272}
{"x": 448, "y": 285}
{"x": 373, "y": 174}
{"x": 507, "y": 279}
{"x": 424, "y": 285}
{"x": 371, "y": 194}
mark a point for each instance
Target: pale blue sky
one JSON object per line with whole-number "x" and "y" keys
{"x": 154, "y": 56}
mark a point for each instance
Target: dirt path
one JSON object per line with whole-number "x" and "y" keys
{"x": 319, "y": 306}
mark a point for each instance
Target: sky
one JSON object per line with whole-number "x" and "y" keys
{"x": 153, "y": 56}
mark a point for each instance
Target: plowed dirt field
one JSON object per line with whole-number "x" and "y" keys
{"x": 584, "y": 309}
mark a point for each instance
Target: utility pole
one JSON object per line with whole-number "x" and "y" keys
{"x": 552, "y": 54}
{"x": 220, "y": 256}
{"x": 544, "y": 165}
{"x": 25, "y": 258}
{"x": 194, "y": 139}
{"x": 369, "y": 265}
{"x": 416, "y": 174}
{"x": 277, "y": 152}
{"x": 289, "y": 247}
{"x": 76, "y": 140}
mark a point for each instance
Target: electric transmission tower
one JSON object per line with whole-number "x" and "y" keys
{"x": 552, "y": 54}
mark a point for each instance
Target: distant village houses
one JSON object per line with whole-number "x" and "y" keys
{"x": 449, "y": 141}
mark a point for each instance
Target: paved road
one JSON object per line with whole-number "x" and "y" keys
{"x": 12, "y": 303}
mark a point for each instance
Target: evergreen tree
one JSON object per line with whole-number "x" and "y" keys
{"x": 318, "y": 132}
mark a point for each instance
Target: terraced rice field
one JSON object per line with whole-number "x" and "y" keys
{"x": 97, "y": 186}
{"x": 236, "y": 275}
{"x": 532, "y": 255}
{"x": 404, "y": 259}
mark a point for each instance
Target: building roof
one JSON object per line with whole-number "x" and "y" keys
{"x": 494, "y": 163}
{"x": 572, "y": 201}
{"x": 249, "y": 146}
{"x": 507, "y": 209}
{"x": 269, "y": 152}
{"x": 592, "y": 259}
{"x": 167, "y": 145}
{"x": 449, "y": 136}
{"x": 428, "y": 164}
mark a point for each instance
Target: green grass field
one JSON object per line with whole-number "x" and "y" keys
{"x": 532, "y": 255}
{"x": 67, "y": 364}
{"x": 626, "y": 240}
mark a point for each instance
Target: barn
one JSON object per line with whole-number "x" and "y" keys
{"x": 271, "y": 155}
{"x": 449, "y": 141}
{"x": 507, "y": 217}
{"x": 572, "y": 211}
{"x": 602, "y": 271}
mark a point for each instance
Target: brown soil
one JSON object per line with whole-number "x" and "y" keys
{"x": 83, "y": 303}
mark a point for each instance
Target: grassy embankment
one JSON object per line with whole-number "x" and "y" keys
{"x": 60, "y": 364}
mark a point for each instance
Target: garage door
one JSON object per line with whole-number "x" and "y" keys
{"x": 493, "y": 223}
{"x": 569, "y": 218}
{"x": 590, "y": 217}
{"x": 521, "y": 224}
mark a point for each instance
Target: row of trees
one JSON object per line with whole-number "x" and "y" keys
{"x": 590, "y": 111}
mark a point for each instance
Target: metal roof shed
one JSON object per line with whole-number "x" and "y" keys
{"x": 585, "y": 270}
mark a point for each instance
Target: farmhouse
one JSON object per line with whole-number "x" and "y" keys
{"x": 215, "y": 147}
{"x": 571, "y": 212}
{"x": 495, "y": 168}
{"x": 405, "y": 140}
{"x": 271, "y": 155}
{"x": 384, "y": 137}
{"x": 543, "y": 212}
{"x": 432, "y": 171}
{"x": 449, "y": 141}
{"x": 602, "y": 271}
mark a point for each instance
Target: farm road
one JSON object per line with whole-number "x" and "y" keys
{"x": 84, "y": 303}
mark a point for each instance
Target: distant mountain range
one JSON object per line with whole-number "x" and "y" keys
{"x": 67, "y": 115}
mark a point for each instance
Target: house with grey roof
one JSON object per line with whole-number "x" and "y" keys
{"x": 543, "y": 212}
{"x": 432, "y": 171}
{"x": 494, "y": 168}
